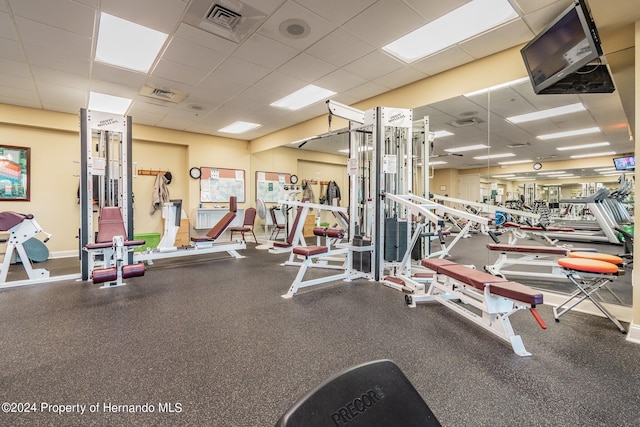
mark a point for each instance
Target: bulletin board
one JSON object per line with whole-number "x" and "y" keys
{"x": 218, "y": 185}
{"x": 270, "y": 186}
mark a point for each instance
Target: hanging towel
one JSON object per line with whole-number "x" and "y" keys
{"x": 160, "y": 193}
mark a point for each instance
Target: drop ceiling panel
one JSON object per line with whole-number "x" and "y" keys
{"x": 68, "y": 99}
{"x": 204, "y": 38}
{"x": 530, "y": 6}
{"x": 12, "y": 68}
{"x": 118, "y": 75}
{"x": 10, "y": 82}
{"x": 400, "y": 77}
{"x": 60, "y": 78}
{"x": 340, "y": 48}
{"x": 221, "y": 85}
{"x": 542, "y": 17}
{"x": 242, "y": 71}
{"x": 370, "y": 24}
{"x": 306, "y": 67}
{"x": 504, "y": 37}
{"x": 280, "y": 83}
{"x": 193, "y": 55}
{"x": 337, "y": 11}
{"x": 66, "y": 15}
{"x": 317, "y": 27}
{"x": 6, "y": 27}
{"x": 340, "y": 81}
{"x": 72, "y": 63}
{"x": 365, "y": 91}
{"x": 432, "y": 9}
{"x": 17, "y": 96}
{"x": 264, "y": 51}
{"x": 445, "y": 60}
{"x": 161, "y": 15}
{"x": 10, "y": 49}
{"x": 373, "y": 65}
{"x": 189, "y": 77}
{"x": 53, "y": 39}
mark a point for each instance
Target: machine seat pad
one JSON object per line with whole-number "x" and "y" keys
{"x": 394, "y": 279}
{"x": 282, "y": 244}
{"x": 613, "y": 259}
{"x": 134, "y": 242}
{"x": 8, "y": 220}
{"x": 550, "y": 250}
{"x": 102, "y": 245}
{"x": 554, "y": 229}
{"x": 588, "y": 265}
{"x": 435, "y": 263}
{"x": 516, "y": 291}
{"x": 477, "y": 279}
{"x": 308, "y": 251}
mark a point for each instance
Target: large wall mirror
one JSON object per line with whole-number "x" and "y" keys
{"x": 484, "y": 152}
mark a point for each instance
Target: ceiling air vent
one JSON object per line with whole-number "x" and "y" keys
{"x": 162, "y": 94}
{"x": 518, "y": 145}
{"x": 460, "y": 123}
{"x": 223, "y": 17}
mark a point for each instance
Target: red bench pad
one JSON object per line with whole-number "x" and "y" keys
{"x": 435, "y": 263}
{"x": 549, "y": 250}
{"x": 477, "y": 279}
{"x": 516, "y": 291}
{"x": 310, "y": 250}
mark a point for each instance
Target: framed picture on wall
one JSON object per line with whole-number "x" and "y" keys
{"x": 15, "y": 178}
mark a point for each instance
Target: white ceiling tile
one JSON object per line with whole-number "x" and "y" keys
{"x": 369, "y": 25}
{"x": 72, "y": 63}
{"x": 373, "y": 65}
{"x": 223, "y": 85}
{"x": 529, "y": 6}
{"x": 350, "y": 48}
{"x": 53, "y": 39}
{"x": 61, "y": 78}
{"x": 337, "y": 11}
{"x": 306, "y": 67}
{"x": 118, "y": 75}
{"x": 206, "y": 39}
{"x": 55, "y": 95}
{"x": 366, "y": 91}
{"x": 151, "y": 108}
{"x": 266, "y": 6}
{"x": 432, "y": 9}
{"x": 179, "y": 73}
{"x": 252, "y": 99}
{"x": 318, "y": 27}
{"x": 10, "y": 49}
{"x": 540, "y": 18}
{"x": 161, "y": 15}
{"x": 113, "y": 89}
{"x": 193, "y": 55}
{"x": 280, "y": 83}
{"x": 504, "y": 37}
{"x": 264, "y": 51}
{"x": 66, "y": 15}
{"x": 20, "y": 83}
{"x": 3, "y": 6}
{"x": 241, "y": 71}
{"x": 401, "y": 77}
{"x": 208, "y": 99}
{"x": 340, "y": 81}
{"x": 445, "y": 60}
{"x": 13, "y": 68}
{"x": 178, "y": 119}
{"x": 6, "y": 27}
{"x": 19, "y": 97}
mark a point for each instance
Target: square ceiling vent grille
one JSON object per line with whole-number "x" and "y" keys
{"x": 223, "y": 17}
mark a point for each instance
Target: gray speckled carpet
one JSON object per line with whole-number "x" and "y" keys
{"x": 208, "y": 341}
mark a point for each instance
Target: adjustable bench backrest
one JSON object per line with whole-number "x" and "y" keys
{"x": 110, "y": 224}
{"x": 548, "y": 250}
{"x": 225, "y": 221}
{"x": 292, "y": 231}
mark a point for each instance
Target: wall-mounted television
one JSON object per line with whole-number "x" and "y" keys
{"x": 627, "y": 163}
{"x": 566, "y": 45}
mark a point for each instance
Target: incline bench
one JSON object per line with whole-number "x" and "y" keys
{"x": 494, "y": 297}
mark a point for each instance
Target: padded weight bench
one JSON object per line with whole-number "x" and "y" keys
{"x": 589, "y": 272}
{"x": 494, "y": 297}
{"x": 536, "y": 257}
{"x": 219, "y": 228}
{"x": 112, "y": 243}
{"x": 295, "y": 234}
{"x": 21, "y": 228}
{"x": 521, "y": 231}
{"x": 373, "y": 394}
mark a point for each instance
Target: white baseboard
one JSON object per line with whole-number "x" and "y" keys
{"x": 634, "y": 334}
{"x": 63, "y": 254}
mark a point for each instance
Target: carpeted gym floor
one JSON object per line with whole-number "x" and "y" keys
{"x": 208, "y": 341}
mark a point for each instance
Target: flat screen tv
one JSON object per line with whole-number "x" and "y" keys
{"x": 567, "y": 44}
{"x": 627, "y": 163}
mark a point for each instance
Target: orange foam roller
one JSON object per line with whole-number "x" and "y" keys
{"x": 588, "y": 265}
{"x": 597, "y": 256}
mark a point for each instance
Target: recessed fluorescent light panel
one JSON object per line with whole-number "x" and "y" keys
{"x": 581, "y": 146}
{"x": 304, "y": 97}
{"x": 465, "y": 22}
{"x": 552, "y": 173}
{"x": 128, "y": 45}
{"x": 108, "y": 103}
{"x": 494, "y": 156}
{"x": 437, "y": 162}
{"x": 239, "y": 127}
{"x": 467, "y": 148}
{"x": 583, "y": 156}
{"x": 507, "y": 175}
{"x": 545, "y": 114}
{"x": 442, "y": 133}
{"x": 360, "y": 149}
{"x": 576, "y": 132}
{"x": 515, "y": 162}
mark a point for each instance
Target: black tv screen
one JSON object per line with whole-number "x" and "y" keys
{"x": 625, "y": 163}
{"x": 563, "y": 47}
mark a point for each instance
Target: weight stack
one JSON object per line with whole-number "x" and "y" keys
{"x": 361, "y": 261}
{"x": 395, "y": 239}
